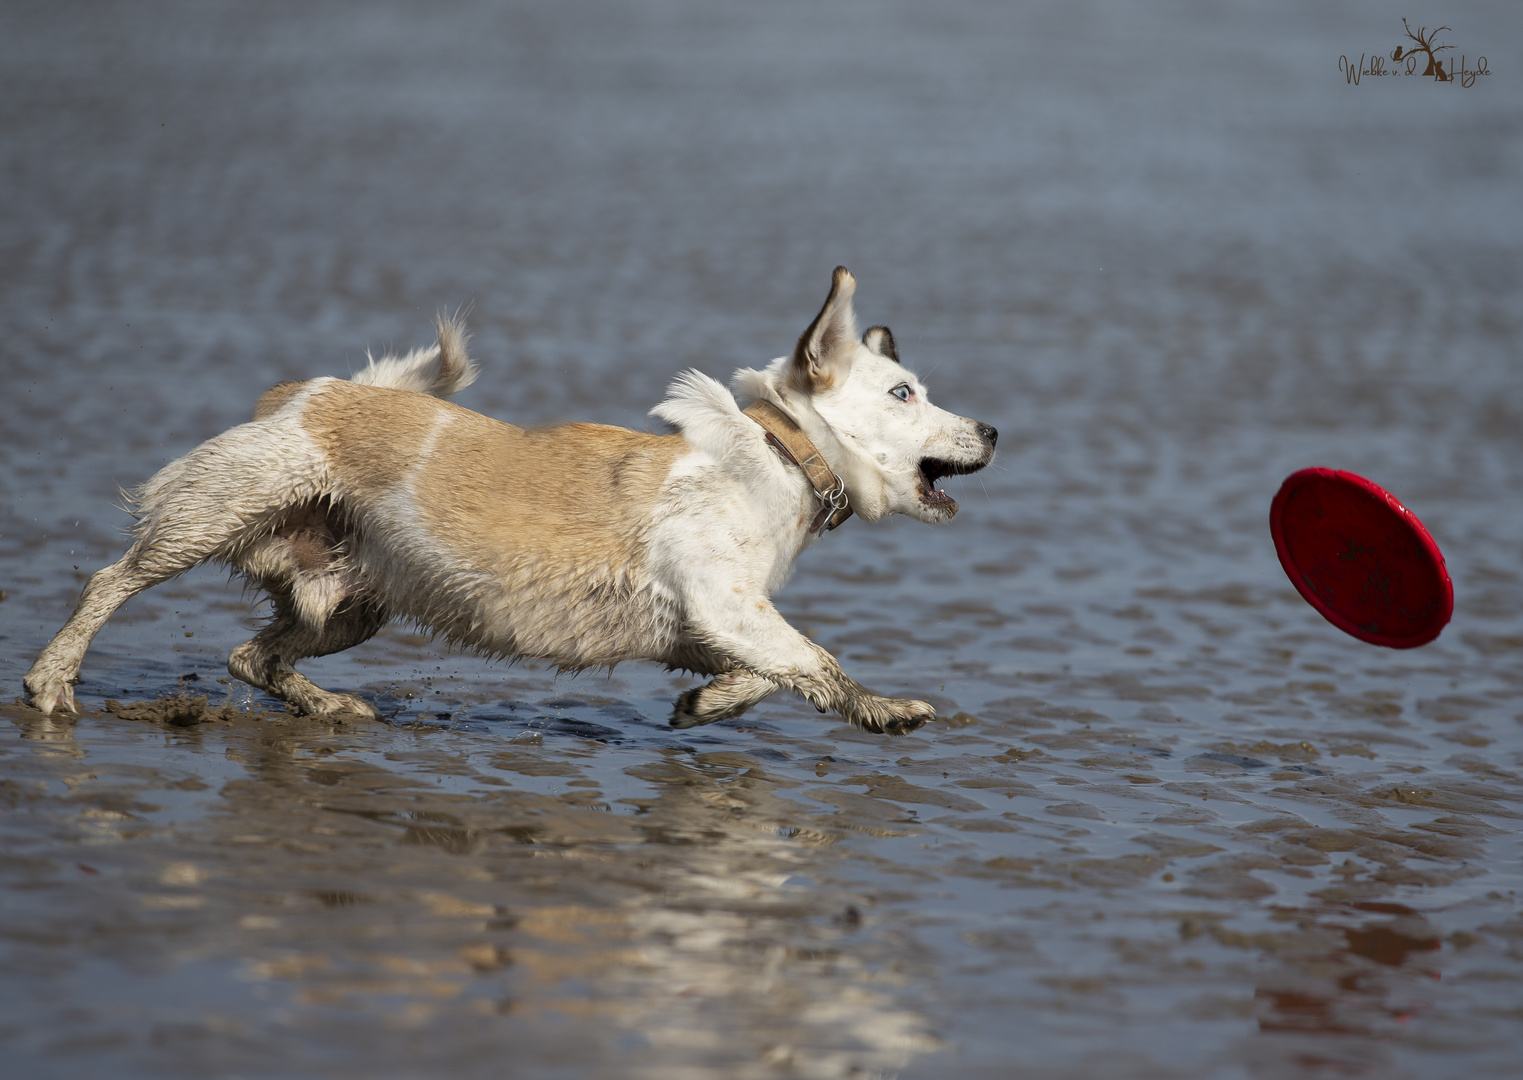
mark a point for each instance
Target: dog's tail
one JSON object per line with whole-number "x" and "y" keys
{"x": 442, "y": 370}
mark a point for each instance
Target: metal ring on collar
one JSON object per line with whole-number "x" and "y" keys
{"x": 835, "y": 497}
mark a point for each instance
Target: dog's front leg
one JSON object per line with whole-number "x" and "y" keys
{"x": 747, "y": 629}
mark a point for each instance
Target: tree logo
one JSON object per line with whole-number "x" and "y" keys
{"x": 1406, "y": 59}
{"x": 1425, "y": 44}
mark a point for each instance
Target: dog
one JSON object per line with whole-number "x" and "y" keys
{"x": 355, "y": 502}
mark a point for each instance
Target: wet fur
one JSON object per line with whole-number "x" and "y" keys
{"x": 355, "y": 502}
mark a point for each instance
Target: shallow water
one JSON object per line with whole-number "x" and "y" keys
{"x": 1172, "y": 823}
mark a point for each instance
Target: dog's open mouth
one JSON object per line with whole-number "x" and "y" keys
{"x": 932, "y": 470}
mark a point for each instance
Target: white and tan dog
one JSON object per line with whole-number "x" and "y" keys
{"x": 356, "y": 502}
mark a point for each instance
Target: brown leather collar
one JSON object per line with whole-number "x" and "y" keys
{"x": 789, "y": 440}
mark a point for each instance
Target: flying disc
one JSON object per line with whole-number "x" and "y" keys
{"x": 1361, "y": 558}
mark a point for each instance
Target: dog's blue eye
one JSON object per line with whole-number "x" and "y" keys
{"x": 902, "y": 391}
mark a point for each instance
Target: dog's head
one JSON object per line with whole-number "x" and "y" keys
{"x": 870, "y": 416}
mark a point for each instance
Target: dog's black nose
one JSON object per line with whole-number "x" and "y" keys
{"x": 988, "y": 434}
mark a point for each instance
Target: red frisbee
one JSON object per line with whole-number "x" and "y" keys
{"x": 1361, "y": 558}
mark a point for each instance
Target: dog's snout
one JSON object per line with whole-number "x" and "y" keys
{"x": 988, "y": 434}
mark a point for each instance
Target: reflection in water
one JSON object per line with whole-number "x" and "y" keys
{"x": 672, "y": 930}
{"x": 59, "y": 731}
{"x": 1364, "y": 978}
{"x": 757, "y": 905}
{"x": 1340, "y": 980}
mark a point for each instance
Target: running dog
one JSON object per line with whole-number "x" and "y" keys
{"x": 356, "y": 502}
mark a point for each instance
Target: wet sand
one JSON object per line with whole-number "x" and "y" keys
{"x": 1171, "y": 823}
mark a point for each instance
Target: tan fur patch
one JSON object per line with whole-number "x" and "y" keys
{"x": 272, "y": 399}
{"x": 372, "y": 437}
{"x": 574, "y": 496}
{"x": 555, "y": 518}
{"x": 493, "y": 486}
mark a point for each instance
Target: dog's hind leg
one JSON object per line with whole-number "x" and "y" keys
{"x": 196, "y": 508}
{"x": 267, "y": 660}
{"x": 50, "y": 682}
{"x": 171, "y": 544}
{"x": 722, "y": 697}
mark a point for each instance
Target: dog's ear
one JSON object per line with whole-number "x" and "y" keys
{"x": 879, "y": 340}
{"x": 823, "y": 353}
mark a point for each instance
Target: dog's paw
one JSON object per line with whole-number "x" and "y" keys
{"x": 688, "y": 711}
{"x": 721, "y": 698}
{"x": 348, "y": 705}
{"x": 50, "y": 695}
{"x": 336, "y": 706}
{"x": 891, "y": 716}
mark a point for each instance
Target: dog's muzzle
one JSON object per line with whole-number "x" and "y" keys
{"x": 933, "y": 469}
